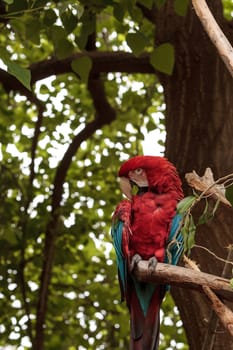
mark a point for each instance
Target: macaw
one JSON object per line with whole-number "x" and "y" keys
{"x": 145, "y": 226}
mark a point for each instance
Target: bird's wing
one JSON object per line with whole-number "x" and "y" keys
{"x": 120, "y": 234}
{"x": 175, "y": 242}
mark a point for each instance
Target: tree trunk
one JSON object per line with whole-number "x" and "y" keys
{"x": 199, "y": 124}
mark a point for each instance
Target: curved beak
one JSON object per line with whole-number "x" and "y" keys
{"x": 126, "y": 187}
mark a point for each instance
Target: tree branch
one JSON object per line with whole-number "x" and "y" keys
{"x": 102, "y": 62}
{"x": 221, "y": 310}
{"x": 215, "y": 33}
{"x": 213, "y": 321}
{"x": 37, "y": 131}
{"x": 184, "y": 278}
{"x": 104, "y": 110}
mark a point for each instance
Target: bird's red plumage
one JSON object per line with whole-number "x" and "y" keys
{"x": 147, "y": 221}
{"x": 161, "y": 174}
{"x": 152, "y": 215}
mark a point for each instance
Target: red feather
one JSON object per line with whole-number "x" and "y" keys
{"x": 147, "y": 221}
{"x": 152, "y": 216}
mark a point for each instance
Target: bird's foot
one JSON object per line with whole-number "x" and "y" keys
{"x": 152, "y": 263}
{"x": 134, "y": 261}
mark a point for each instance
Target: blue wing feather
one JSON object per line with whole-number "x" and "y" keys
{"x": 174, "y": 250}
{"x": 144, "y": 290}
{"x": 116, "y": 232}
{"x": 175, "y": 241}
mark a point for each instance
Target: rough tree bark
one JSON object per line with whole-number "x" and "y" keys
{"x": 199, "y": 123}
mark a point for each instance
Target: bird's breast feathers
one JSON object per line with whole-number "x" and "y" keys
{"x": 150, "y": 224}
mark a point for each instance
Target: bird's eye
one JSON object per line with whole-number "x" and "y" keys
{"x": 138, "y": 171}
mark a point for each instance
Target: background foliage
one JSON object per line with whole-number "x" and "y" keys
{"x": 39, "y": 121}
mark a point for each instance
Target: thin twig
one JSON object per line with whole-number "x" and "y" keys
{"x": 15, "y": 14}
{"x": 221, "y": 310}
{"x": 211, "y": 253}
{"x": 213, "y": 322}
{"x": 40, "y": 107}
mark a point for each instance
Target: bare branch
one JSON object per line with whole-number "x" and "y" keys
{"x": 38, "y": 124}
{"x": 213, "y": 321}
{"x": 104, "y": 110}
{"x": 215, "y": 33}
{"x": 225, "y": 261}
{"x": 221, "y": 310}
{"x": 184, "y": 278}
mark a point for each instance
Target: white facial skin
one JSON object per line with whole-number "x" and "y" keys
{"x": 138, "y": 176}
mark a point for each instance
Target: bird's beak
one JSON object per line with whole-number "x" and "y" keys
{"x": 126, "y": 187}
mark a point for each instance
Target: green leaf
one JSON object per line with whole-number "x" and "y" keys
{"x": 151, "y": 125}
{"x": 161, "y": 143}
{"x": 62, "y": 46}
{"x": 185, "y": 204}
{"x": 146, "y": 3}
{"x": 5, "y": 56}
{"x": 191, "y": 234}
{"x": 69, "y": 21}
{"x": 89, "y": 23}
{"x": 181, "y": 7}
{"x": 160, "y": 3}
{"x": 118, "y": 11}
{"x": 205, "y": 215}
{"x": 9, "y": 2}
{"x": 188, "y": 231}
{"x": 20, "y": 73}
{"x": 231, "y": 283}
{"x": 16, "y": 6}
{"x": 44, "y": 89}
{"x": 227, "y": 9}
{"x": 137, "y": 42}
{"x": 82, "y": 67}
{"x": 9, "y": 235}
{"x": 229, "y": 194}
{"x": 32, "y": 29}
{"x": 87, "y": 28}
{"x": 130, "y": 5}
{"x": 163, "y": 58}
{"x": 50, "y": 17}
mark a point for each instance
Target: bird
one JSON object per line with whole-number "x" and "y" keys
{"x": 146, "y": 226}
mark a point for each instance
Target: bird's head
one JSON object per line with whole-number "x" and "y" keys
{"x": 149, "y": 173}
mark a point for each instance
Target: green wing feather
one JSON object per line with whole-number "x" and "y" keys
{"x": 175, "y": 243}
{"x": 117, "y": 232}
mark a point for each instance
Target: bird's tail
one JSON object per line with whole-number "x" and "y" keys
{"x": 145, "y": 325}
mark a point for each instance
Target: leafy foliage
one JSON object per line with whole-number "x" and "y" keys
{"x": 181, "y": 7}
{"x": 38, "y": 129}
{"x": 228, "y": 9}
{"x": 188, "y": 226}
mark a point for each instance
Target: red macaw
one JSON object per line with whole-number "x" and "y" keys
{"x": 143, "y": 225}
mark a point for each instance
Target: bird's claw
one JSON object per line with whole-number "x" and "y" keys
{"x": 134, "y": 261}
{"x": 152, "y": 263}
